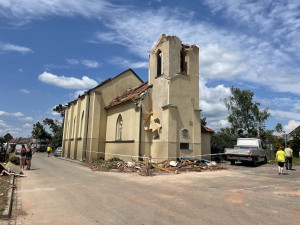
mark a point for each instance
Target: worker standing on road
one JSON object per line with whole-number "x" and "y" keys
{"x": 280, "y": 158}
{"x": 49, "y": 149}
{"x": 288, "y": 158}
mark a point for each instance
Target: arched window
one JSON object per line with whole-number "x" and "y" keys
{"x": 183, "y": 62}
{"x": 159, "y": 63}
{"x": 119, "y": 128}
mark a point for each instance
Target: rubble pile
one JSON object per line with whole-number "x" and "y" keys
{"x": 149, "y": 168}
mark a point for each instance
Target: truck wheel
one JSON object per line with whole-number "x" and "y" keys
{"x": 265, "y": 160}
{"x": 232, "y": 162}
{"x": 254, "y": 162}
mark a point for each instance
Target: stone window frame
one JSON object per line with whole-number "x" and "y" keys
{"x": 183, "y": 62}
{"x": 119, "y": 128}
{"x": 159, "y": 63}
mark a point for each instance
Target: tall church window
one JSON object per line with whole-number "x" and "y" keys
{"x": 119, "y": 128}
{"x": 183, "y": 62}
{"x": 159, "y": 63}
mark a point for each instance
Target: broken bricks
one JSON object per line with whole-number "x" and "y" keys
{"x": 167, "y": 166}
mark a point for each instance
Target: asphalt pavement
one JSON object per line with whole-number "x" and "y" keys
{"x": 58, "y": 191}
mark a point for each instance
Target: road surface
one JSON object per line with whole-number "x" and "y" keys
{"x": 61, "y": 192}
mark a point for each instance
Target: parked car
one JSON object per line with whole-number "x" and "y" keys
{"x": 58, "y": 151}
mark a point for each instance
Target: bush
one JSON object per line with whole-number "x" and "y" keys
{"x": 15, "y": 160}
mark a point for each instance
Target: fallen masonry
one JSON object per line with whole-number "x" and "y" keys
{"x": 148, "y": 168}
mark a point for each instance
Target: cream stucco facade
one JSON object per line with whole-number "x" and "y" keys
{"x": 127, "y": 118}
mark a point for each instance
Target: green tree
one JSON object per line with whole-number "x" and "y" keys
{"x": 56, "y": 127}
{"x": 245, "y": 116}
{"x": 39, "y": 132}
{"x": 295, "y": 143}
{"x": 203, "y": 121}
{"x": 57, "y": 131}
{"x": 279, "y": 129}
{"x": 221, "y": 140}
{"x": 2, "y": 140}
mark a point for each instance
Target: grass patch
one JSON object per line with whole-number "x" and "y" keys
{"x": 3, "y": 188}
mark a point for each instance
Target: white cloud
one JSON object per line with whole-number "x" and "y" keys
{"x": 212, "y": 105}
{"x": 297, "y": 108}
{"x": 90, "y": 63}
{"x": 4, "y": 48}
{"x": 73, "y": 61}
{"x": 86, "y": 62}
{"x": 76, "y": 94}
{"x": 25, "y": 91}
{"x": 285, "y": 115}
{"x": 263, "y": 58}
{"x": 32, "y": 9}
{"x": 3, "y": 124}
{"x": 27, "y": 118}
{"x": 27, "y": 125}
{"x": 292, "y": 124}
{"x": 17, "y": 114}
{"x": 127, "y": 63}
{"x": 218, "y": 62}
{"x": 67, "y": 82}
{"x": 224, "y": 54}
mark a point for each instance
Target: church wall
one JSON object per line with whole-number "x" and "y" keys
{"x": 129, "y": 142}
{"x": 177, "y": 92}
{"x": 205, "y": 145}
{"x": 74, "y": 121}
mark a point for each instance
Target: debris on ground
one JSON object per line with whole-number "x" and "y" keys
{"x": 148, "y": 168}
{"x": 12, "y": 168}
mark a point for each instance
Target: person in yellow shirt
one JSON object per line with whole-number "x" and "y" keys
{"x": 288, "y": 158}
{"x": 280, "y": 158}
{"x": 49, "y": 149}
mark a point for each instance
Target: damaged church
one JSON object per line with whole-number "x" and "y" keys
{"x": 127, "y": 118}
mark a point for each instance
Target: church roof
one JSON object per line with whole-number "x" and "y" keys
{"x": 104, "y": 82}
{"x": 130, "y": 94}
{"x": 205, "y": 129}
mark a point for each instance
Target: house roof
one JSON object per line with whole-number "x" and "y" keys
{"x": 293, "y": 131}
{"x": 130, "y": 94}
{"x": 104, "y": 82}
{"x": 205, "y": 129}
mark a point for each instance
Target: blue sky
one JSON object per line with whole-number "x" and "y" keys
{"x": 53, "y": 50}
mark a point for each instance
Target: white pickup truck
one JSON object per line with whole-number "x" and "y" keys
{"x": 247, "y": 150}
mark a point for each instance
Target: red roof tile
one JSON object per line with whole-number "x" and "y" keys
{"x": 131, "y": 93}
{"x": 205, "y": 129}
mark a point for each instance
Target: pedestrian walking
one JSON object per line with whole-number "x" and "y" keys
{"x": 49, "y": 149}
{"x": 29, "y": 153}
{"x": 280, "y": 158}
{"x": 288, "y": 158}
{"x": 22, "y": 157}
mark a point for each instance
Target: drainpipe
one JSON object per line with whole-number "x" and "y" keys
{"x": 87, "y": 129}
